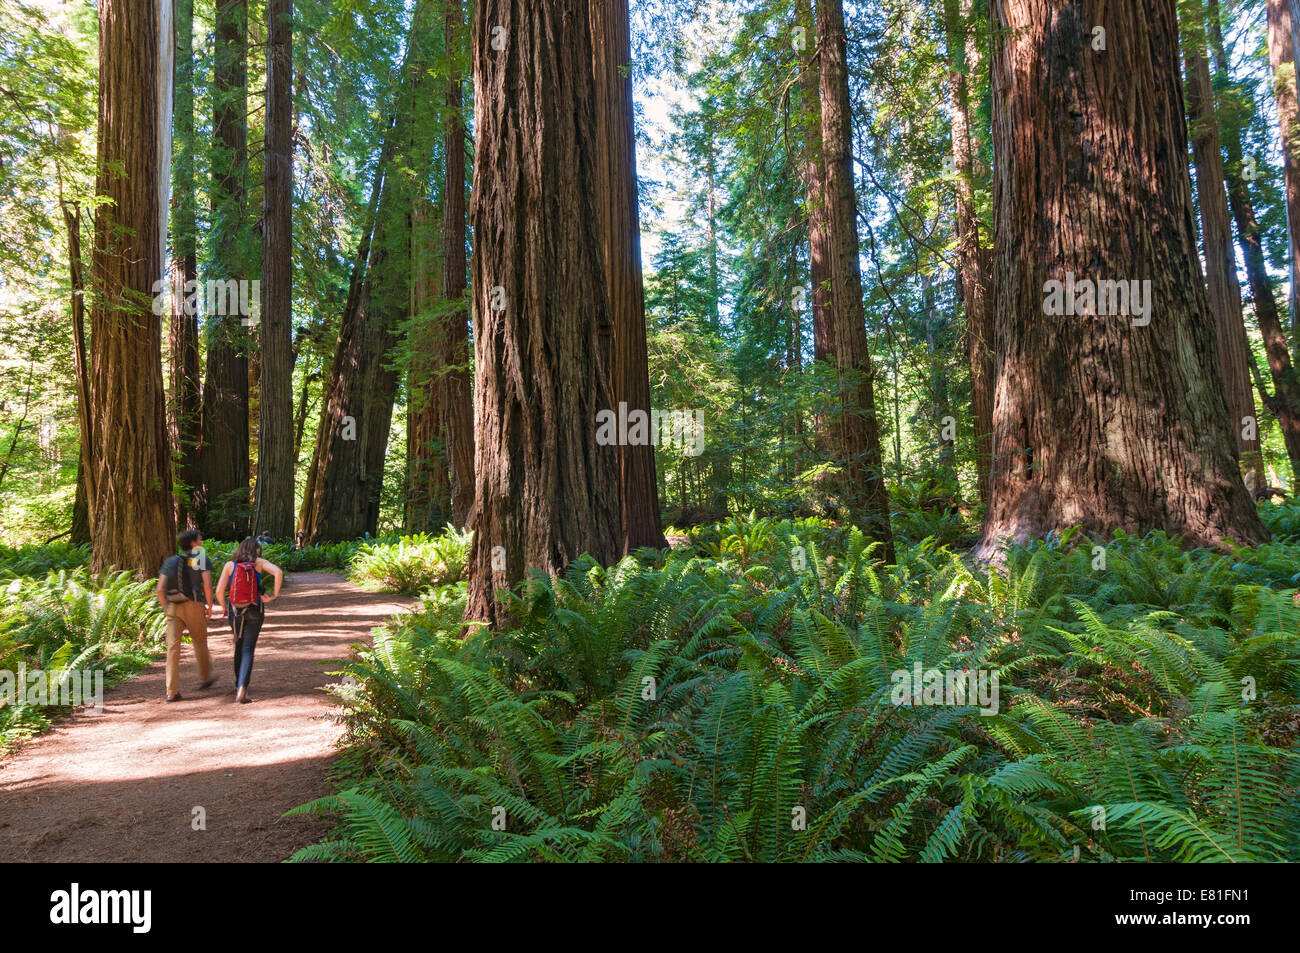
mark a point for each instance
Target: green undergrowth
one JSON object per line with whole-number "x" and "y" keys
{"x": 65, "y": 622}
{"x": 737, "y": 699}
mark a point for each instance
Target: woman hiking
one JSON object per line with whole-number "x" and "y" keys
{"x": 246, "y": 611}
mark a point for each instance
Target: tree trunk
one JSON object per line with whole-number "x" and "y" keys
{"x": 132, "y": 520}
{"x": 1097, "y": 421}
{"x": 1221, "y": 263}
{"x": 546, "y": 491}
{"x": 428, "y": 491}
{"x": 1285, "y": 402}
{"x": 456, "y": 383}
{"x": 1281, "y": 56}
{"x": 342, "y": 493}
{"x": 814, "y": 183}
{"x": 183, "y": 325}
{"x": 857, "y": 433}
{"x": 616, "y": 201}
{"x": 276, "y": 460}
{"x": 973, "y": 259}
{"x": 224, "y": 449}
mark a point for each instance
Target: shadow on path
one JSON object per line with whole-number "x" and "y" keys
{"x": 122, "y": 785}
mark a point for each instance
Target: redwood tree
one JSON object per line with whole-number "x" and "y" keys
{"x": 615, "y": 188}
{"x": 973, "y": 258}
{"x": 546, "y": 492}
{"x": 1234, "y": 357}
{"x": 856, "y": 432}
{"x": 132, "y": 523}
{"x": 224, "y": 451}
{"x": 1097, "y": 421}
{"x": 276, "y": 461}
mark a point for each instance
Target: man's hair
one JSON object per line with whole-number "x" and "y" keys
{"x": 188, "y": 538}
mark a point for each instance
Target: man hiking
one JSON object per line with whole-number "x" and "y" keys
{"x": 182, "y": 580}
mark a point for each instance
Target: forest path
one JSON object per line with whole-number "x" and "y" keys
{"x": 122, "y": 785}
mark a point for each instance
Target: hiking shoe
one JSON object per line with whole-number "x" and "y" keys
{"x": 174, "y": 698}
{"x": 209, "y": 683}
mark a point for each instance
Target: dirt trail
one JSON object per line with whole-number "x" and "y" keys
{"x": 123, "y": 785}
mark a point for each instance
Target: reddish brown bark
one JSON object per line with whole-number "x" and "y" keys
{"x": 132, "y": 521}
{"x": 1220, "y": 262}
{"x": 856, "y": 431}
{"x": 616, "y": 199}
{"x": 276, "y": 462}
{"x": 973, "y": 252}
{"x": 456, "y": 382}
{"x": 1099, "y": 422}
{"x": 546, "y": 491}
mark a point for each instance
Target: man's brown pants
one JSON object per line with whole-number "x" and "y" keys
{"x": 186, "y": 616}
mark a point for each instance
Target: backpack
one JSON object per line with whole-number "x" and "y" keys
{"x": 245, "y": 585}
{"x": 179, "y": 582}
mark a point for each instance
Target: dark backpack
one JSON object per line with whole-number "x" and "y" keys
{"x": 178, "y": 580}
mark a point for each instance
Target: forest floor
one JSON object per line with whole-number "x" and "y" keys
{"x": 123, "y": 785}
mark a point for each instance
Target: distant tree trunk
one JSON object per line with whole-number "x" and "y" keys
{"x": 973, "y": 259}
{"x": 1098, "y": 422}
{"x": 345, "y": 481}
{"x": 183, "y": 326}
{"x": 132, "y": 519}
{"x": 80, "y": 532}
{"x": 1234, "y": 356}
{"x": 224, "y": 451}
{"x": 620, "y": 221}
{"x": 547, "y": 492}
{"x": 1285, "y": 402}
{"x": 276, "y": 460}
{"x": 814, "y": 183}
{"x": 1281, "y": 56}
{"x": 428, "y": 491}
{"x": 456, "y": 382}
{"x": 857, "y": 433}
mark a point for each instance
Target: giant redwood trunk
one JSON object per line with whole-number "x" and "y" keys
{"x": 973, "y": 252}
{"x": 616, "y": 200}
{"x": 856, "y": 432}
{"x": 1098, "y": 421}
{"x": 184, "y": 408}
{"x": 132, "y": 522}
{"x": 456, "y": 382}
{"x": 1233, "y": 350}
{"x": 276, "y": 462}
{"x": 224, "y": 451}
{"x": 546, "y": 492}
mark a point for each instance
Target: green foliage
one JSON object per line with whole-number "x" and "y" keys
{"x": 38, "y": 560}
{"x": 700, "y": 704}
{"x": 71, "y": 621}
{"x": 412, "y": 564}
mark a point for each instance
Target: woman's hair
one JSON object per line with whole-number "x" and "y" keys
{"x": 247, "y": 551}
